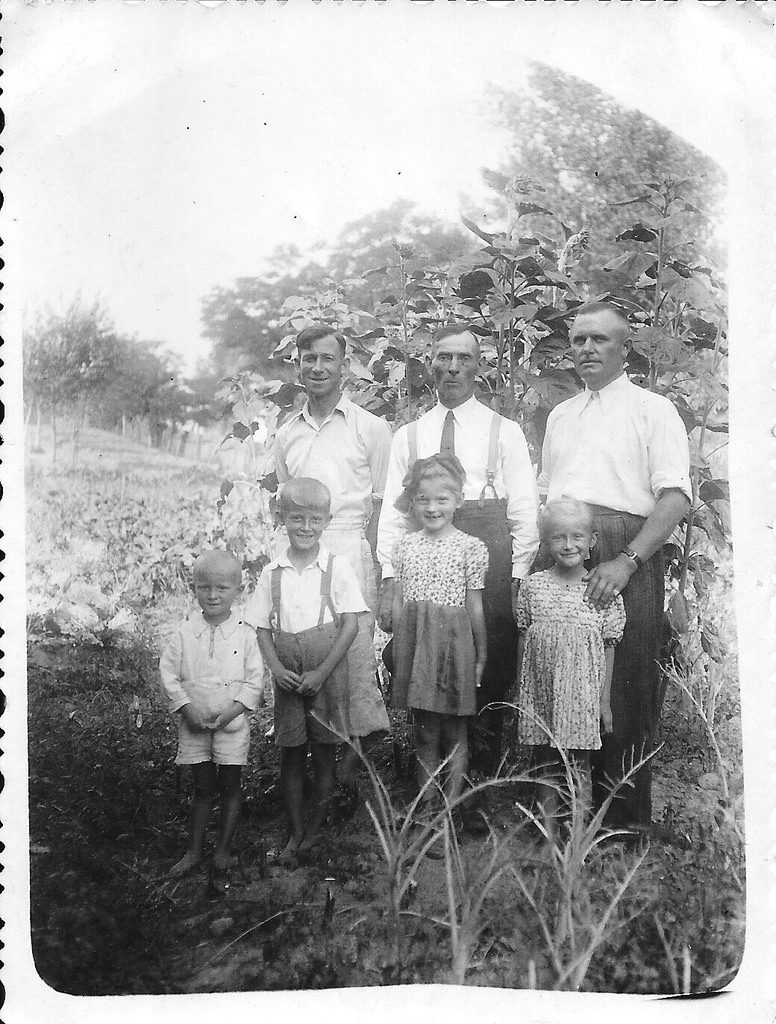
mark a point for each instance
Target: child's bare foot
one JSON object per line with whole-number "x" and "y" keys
{"x": 289, "y": 853}
{"x": 187, "y": 863}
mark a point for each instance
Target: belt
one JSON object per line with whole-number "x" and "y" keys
{"x": 602, "y": 510}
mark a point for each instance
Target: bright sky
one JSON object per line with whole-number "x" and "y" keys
{"x": 163, "y": 149}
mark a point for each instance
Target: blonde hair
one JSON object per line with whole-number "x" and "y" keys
{"x": 569, "y": 506}
{"x": 219, "y": 560}
{"x": 305, "y": 492}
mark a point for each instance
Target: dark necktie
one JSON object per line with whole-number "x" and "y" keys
{"x": 447, "y": 443}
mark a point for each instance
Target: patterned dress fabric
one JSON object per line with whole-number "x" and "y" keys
{"x": 433, "y": 640}
{"x": 563, "y": 668}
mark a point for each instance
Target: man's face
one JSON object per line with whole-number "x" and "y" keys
{"x": 321, "y": 366}
{"x": 455, "y": 362}
{"x": 599, "y": 345}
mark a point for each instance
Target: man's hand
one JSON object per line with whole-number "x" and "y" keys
{"x": 385, "y": 610}
{"x": 607, "y": 580}
{"x": 194, "y": 720}
{"x": 288, "y": 680}
{"x": 515, "y": 592}
{"x": 228, "y": 716}
{"x": 479, "y": 668}
{"x": 310, "y": 683}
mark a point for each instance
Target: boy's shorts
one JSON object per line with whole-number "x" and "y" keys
{"x": 301, "y": 720}
{"x": 226, "y": 746}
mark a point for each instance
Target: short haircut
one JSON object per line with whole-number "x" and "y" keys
{"x": 220, "y": 560}
{"x": 305, "y": 492}
{"x": 450, "y": 331}
{"x": 305, "y": 338}
{"x": 569, "y": 506}
{"x": 603, "y": 307}
{"x": 434, "y": 467}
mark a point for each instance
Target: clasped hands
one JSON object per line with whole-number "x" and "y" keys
{"x": 197, "y": 721}
{"x": 305, "y": 684}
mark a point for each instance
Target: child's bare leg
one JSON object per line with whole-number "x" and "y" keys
{"x": 549, "y": 799}
{"x": 455, "y": 740}
{"x": 581, "y": 760}
{"x": 230, "y": 795}
{"x": 204, "y": 775}
{"x": 324, "y": 755}
{"x": 426, "y": 729}
{"x": 292, "y": 766}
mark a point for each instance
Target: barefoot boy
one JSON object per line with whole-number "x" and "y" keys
{"x": 306, "y": 609}
{"x": 212, "y": 674}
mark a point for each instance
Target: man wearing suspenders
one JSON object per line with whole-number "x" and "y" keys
{"x": 500, "y": 507}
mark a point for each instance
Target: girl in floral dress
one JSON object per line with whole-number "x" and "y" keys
{"x": 439, "y": 627}
{"x": 565, "y": 650}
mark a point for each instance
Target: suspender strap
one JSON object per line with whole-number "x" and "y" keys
{"x": 274, "y": 615}
{"x": 490, "y": 472}
{"x": 412, "y": 442}
{"x": 326, "y": 601}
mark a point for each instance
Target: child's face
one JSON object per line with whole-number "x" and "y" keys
{"x": 304, "y": 526}
{"x": 216, "y": 590}
{"x": 435, "y": 503}
{"x": 568, "y": 540}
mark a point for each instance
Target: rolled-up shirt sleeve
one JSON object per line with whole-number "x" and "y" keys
{"x": 668, "y": 452}
{"x": 522, "y": 498}
{"x": 170, "y": 673}
{"x": 257, "y": 607}
{"x": 393, "y": 523}
{"x": 378, "y": 455}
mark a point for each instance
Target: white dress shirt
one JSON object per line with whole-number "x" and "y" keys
{"x": 300, "y": 593}
{"x": 514, "y": 480}
{"x": 348, "y": 453}
{"x": 619, "y": 447}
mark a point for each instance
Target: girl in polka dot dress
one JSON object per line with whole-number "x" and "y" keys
{"x": 439, "y": 627}
{"x": 565, "y": 649}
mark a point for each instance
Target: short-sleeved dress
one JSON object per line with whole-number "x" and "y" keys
{"x": 434, "y": 656}
{"x": 563, "y": 669}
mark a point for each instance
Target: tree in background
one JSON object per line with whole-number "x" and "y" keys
{"x": 248, "y": 320}
{"x": 587, "y": 149}
{"x": 67, "y": 359}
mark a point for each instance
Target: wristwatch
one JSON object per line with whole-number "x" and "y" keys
{"x": 636, "y": 559}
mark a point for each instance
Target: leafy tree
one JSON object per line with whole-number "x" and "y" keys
{"x": 586, "y": 148}
{"x": 248, "y": 320}
{"x": 67, "y": 358}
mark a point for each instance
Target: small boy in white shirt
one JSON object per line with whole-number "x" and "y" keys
{"x": 212, "y": 675}
{"x": 306, "y": 609}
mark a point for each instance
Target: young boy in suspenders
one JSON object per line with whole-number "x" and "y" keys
{"x": 305, "y": 609}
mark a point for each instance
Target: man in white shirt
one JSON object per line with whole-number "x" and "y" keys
{"x": 500, "y": 507}
{"x": 623, "y": 450}
{"x": 345, "y": 447}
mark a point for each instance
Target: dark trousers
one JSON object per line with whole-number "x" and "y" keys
{"x": 637, "y": 689}
{"x": 489, "y": 523}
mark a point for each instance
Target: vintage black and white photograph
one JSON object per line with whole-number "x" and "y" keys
{"x": 382, "y": 352}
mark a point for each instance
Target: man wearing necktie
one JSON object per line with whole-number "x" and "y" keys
{"x": 500, "y": 507}
{"x": 624, "y": 451}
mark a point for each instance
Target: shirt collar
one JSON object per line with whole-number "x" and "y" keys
{"x": 461, "y": 412}
{"x": 284, "y": 561}
{"x": 609, "y": 393}
{"x": 199, "y": 624}
{"x": 343, "y": 406}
